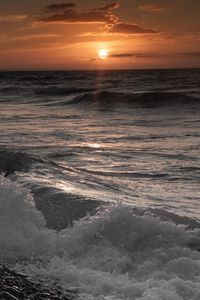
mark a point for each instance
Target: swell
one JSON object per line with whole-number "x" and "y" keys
{"x": 105, "y": 100}
{"x": 12, "y": 90}
{"x": 61, "y": 91}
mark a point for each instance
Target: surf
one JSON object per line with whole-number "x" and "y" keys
{"x": 116, "y": 254}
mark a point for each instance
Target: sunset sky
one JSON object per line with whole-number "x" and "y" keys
{"x": 53, "y": 34}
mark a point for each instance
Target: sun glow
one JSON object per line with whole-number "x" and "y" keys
{"x": 103, "y": 53}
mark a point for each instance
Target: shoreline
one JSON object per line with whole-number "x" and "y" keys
{"x": 18, "y": 286}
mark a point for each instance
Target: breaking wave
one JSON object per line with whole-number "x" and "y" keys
{"x": 22, "y": 227}
{"x": 116, "y": 254}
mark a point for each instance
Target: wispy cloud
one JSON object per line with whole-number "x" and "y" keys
{"x": 126, "y": 28}
{"x": 12, "y": 18}
{"x": 151, "y": 8}
{"x": 32, "y": 37}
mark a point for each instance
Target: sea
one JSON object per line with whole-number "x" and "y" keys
{"x": 100, "y": 181}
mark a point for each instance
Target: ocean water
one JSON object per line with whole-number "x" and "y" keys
{"x": 99, "y": 186}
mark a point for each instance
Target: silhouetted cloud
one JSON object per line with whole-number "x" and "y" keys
{"x": 68, "y": 13}
{"x": 134, "y": 55}
{"x": 122, "y": 55}
{"x": 60, "y": 6}
{"x": 126, "y": 28}
{"x": 191, "y": 54}
{"x": 151, "y": 8}
{"x": 110, "y": 6}
{"x": 154, "y": 55}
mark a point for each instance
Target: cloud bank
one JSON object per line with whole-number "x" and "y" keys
{"x": 69, "y": 13}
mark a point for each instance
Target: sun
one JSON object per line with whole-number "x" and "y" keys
{"x": 103, "y": 53}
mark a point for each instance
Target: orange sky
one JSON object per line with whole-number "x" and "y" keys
{"x": 43, "y": 34}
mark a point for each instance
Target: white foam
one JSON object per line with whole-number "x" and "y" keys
{"x": 116, "y": 255}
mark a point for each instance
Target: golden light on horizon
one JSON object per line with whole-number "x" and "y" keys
{"x": 103, "y": 53}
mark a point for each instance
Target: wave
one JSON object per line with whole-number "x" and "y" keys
{"x": 11, "y": 162}
{"x": 167, "y": 216}
{"x": 21, "y": 225}
{"x": 61, "y": 91}
{"x": 12, "y": 89}
{"x": 105, "y": 100}
{"x": 116, "y": 254}
{"x": 59, "y": 207}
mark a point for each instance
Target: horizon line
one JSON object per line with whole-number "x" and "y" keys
{"x": 99, "y": 70}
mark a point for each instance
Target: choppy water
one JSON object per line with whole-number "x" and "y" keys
{"x": 88, "y": 142}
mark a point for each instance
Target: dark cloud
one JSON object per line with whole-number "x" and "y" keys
{"x": 155, "y": 55}
{"x": 60, "y": 6}
{"x": 151, "y": 8}
{"x": 125, "y": 28}
{"x": 72, "y": 16}
{"x": 122, "y": 55}
{"x": 68, "y": 13}
{"x": 191, "y": 54}
{"x": 110, "y": 6}
{"x": 135, "y": 55}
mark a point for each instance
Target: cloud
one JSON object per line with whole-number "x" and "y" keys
{"x": 122, "y": 55}
{"x": 191, "y": 54}
{"x": 126, "y": 28}
{"x": 68, "y": 13}
{"x": 32, "y": 37}
{"x": 70, "y": 16}
{"x": 133, "y": 55}
{"x": 151, "y": 8}
{"x": 60, "y": 6}
{"x": 155, "y": 55}
{"x": 13, "y": 18}
{"x": 110, "y": 6}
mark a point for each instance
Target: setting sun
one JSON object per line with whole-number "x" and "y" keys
{"x": 103, "y": 53}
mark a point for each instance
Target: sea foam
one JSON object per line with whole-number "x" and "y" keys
{"x": 113, "y": 255}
